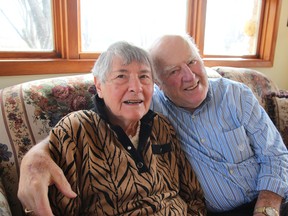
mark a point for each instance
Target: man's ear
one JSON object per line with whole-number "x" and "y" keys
{"x": 158, "y": 83}
{"x": 97, "y": 84}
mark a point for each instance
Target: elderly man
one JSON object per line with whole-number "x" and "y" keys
{"x": 238, "y": 155}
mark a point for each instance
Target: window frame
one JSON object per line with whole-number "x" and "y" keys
{"x": 68, "y": 58}
{"x": 267, "y": 36}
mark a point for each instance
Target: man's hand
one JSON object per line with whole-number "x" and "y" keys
{"x": 37, "y": 172}
{"x": 268, "y": 199}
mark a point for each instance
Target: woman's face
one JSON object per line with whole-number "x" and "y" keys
{"x": 127, "y": 91}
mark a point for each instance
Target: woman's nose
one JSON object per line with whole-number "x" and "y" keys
{"x": 135, "y": 84}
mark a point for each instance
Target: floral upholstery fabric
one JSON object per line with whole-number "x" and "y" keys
{"x": 4, "y": 206}
{"x": 277, "y": 104}
{"x": 29, "y": 110}
{"x": 258, "y": 82}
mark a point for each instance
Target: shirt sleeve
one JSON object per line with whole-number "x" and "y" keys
{"x": 269, "y": 148}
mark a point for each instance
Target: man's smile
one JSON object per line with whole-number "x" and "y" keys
{"x": 192, "y": 87}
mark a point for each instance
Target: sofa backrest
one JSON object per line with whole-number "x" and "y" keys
{"x": 260, "y": 84}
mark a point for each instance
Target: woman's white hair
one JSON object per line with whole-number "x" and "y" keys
{"x": 124, "y": 50}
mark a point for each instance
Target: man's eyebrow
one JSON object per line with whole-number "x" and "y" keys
{"x": 169, "y": 68}
{"x": 192, "y": 58}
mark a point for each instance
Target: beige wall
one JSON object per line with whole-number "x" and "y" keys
{"x": 13, "y": 80}
{"x": 278, "y": 73}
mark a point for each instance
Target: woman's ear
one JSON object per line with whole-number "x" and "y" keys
{"x": 97, "y": 84}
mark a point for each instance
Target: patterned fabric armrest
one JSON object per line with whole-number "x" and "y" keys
{"x": 4, "y": 206}
{"x": 277, "y": 108}
{"x": 28, "y": 111}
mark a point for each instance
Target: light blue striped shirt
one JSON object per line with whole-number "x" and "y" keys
{"x": 231, "y": 143}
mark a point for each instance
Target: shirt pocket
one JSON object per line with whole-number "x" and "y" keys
{"x": 237, "y": 148}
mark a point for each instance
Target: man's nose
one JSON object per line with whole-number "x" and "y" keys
{"x": 188, "y": 74}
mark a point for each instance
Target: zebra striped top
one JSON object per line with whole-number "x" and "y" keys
{"x": 112, "y": 177}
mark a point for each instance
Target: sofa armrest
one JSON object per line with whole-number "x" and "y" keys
{"x": 277, "y": 108}
{"x": 27, "y": 113}
{"x": 4, "y": 206}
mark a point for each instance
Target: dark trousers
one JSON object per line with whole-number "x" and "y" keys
{"x": 247, "y": 210}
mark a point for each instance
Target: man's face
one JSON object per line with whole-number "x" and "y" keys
{"x": 182, "y": 76}
{"x": 127, "y": 91}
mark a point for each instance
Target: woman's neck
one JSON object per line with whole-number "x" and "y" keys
{"x": 131, "y": 129}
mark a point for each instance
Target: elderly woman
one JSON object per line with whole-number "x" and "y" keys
{"x": 122, "y": 158}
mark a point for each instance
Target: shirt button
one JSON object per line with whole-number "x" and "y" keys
{"x": 231, "y": 171}
{"x": 241, "y": 147}
{"x": 193, "y": 116}
{"x": 140, "y": 165}
{"x": 129, "y": 148}
{"x": 202, "y": 140}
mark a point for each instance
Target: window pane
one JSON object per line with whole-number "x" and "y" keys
{"x": 26, "y": 25}
{"x": 136, "y": 21}
{"x": 232, "y": 27}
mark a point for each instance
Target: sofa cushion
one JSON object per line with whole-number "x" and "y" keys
{"x": 211, "y": 73}
{"x": 277, "y": 108}
{"x": 259, "y": 83}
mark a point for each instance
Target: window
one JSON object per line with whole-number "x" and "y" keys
{"x": 53, "y": 36}
{"x": 232, "y": 32}
{"x": 265, "y": 32}
{"x": 26, "y": 26}
{"x": 103, "y": 24}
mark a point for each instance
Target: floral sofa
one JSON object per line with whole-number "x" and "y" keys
{"x": 29, "y": 110}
